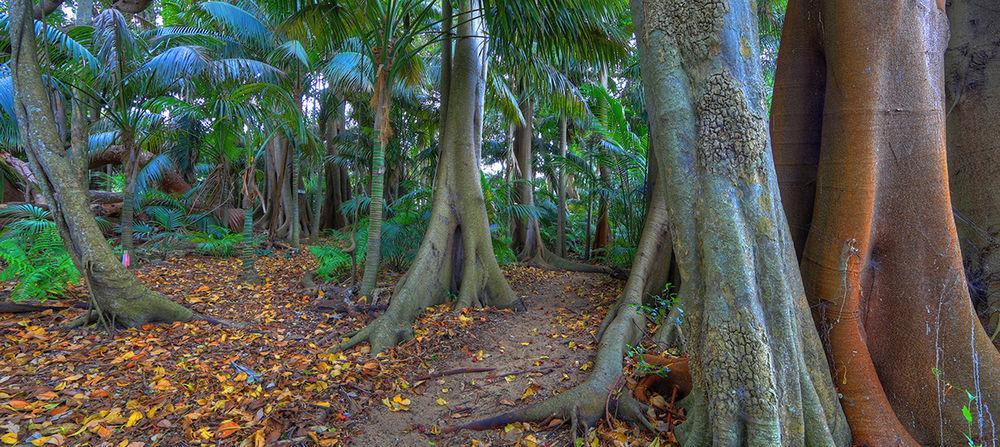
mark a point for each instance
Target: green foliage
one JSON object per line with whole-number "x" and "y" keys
{"x": 216, "y": 241}
{"x": 33, "y": 255}
{"x": 332, "y": 261}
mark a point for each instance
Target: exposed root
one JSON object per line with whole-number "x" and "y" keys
{"x": 586, "y": 403}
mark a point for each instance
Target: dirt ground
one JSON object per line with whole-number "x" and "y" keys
{"x": 274, "y": 382}
{"x": 530, "y": 355}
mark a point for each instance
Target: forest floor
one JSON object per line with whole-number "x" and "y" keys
{"x": 274, "y": 381}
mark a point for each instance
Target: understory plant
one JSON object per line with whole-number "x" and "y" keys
{"x": 32, "y": 254}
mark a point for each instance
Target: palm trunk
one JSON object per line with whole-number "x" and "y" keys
{"x": 128, "y": 205}
{"x": 602, "y": 235}
{"x": 881, "y": 260}
{"x": 118, "y": 296}
{"x": 456, "y": 256}
{"x": 373, "y": 253}
{"x": 561, "y": 186}
{"x": 247, "y": 248}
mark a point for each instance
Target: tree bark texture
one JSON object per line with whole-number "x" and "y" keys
{"x": 859, "y": 100}
{"x": 117, "y": 294}
{"x": 759, "y": 371}
{"x": 972, "y": 83}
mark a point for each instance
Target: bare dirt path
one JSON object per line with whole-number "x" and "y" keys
{"x": 519, "y": 358}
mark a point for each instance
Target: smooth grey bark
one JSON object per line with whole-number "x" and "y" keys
{"x": 973, "y": 101}
{"x": 456, "y": 256}
{"x": 118, "y": 296}
{"x": 759, "y": 371}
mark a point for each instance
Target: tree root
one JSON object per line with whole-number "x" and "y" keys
{"x": 586, "y": 404}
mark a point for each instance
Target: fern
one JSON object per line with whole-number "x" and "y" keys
{"x": 33, "y": 255}
{"x": 332, "y": 262}
{"x": 217, "y": 241}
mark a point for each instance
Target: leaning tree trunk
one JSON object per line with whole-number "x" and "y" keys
{"x": 456, "y": 256}
{"x": 117, "y": 294}
{"x": 973, "y": 89}
{"x": 373, "y": 254}
{"x": 527, "y": 235}
{"x": 860, "y": 100}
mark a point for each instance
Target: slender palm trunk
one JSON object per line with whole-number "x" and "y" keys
{"x": 128, "y": 206}
{"x": 561, "y": 186}
{"x": 374, "y": 250}
{"x": 247, "y": 248}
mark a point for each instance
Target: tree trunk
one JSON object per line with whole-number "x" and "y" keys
{"x": 973, "y": 89}
{"x": 602, "y": 235}
{"x": 129, "y": 199}
{"x": 561, "y": 187}
{"x": 337, "y": 186}
{"x": 118, "y": 296}
{"x": 759, "y": 371}
{"x": 374, "y": 251}
{"x": 247, "y": 247}
{"x": 881, "y": 261}
{"x": 527, "y": 236}
{"x": 456, "y": 256}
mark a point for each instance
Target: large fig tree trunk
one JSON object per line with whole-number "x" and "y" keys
{"x": 456, "y": 256}
{"x": 973, "y": 89}
{"x": 758, "y": 368}
{"x": 118, "y": 295}
{"x": 860, "y": 101}
{"x": 759, "y": 372}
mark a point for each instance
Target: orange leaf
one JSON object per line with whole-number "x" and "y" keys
{"x": 18, "y": 404}
{"x": 227, "y": 428}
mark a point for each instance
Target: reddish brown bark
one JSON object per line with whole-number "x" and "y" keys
{"x": 859, "y": 99}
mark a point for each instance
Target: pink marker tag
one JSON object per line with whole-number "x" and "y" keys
{"x": 126, "y": 260}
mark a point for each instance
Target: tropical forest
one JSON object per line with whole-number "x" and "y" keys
{"x": 487, "y": 223}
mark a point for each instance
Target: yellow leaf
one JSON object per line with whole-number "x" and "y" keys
{"x": 441, "y": 402}
{"x": 258, "y": 438}
{"x": 134, "y": 418}
{"x": 40, "y": 441}
{"x": 124, "y": 443}
{"x": 530, "y": 390}
{"x": 9, "y": 438}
